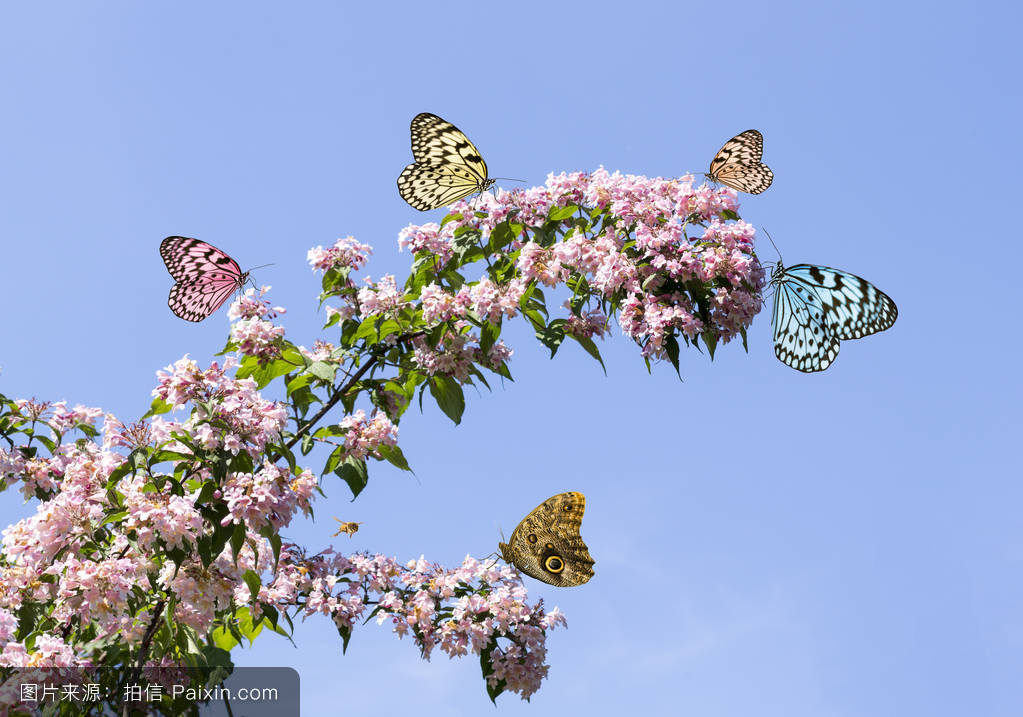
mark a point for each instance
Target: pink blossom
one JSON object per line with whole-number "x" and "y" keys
{"x": 430, "y": 238}
{"x": 249, "y": 306}
{"x": 365, "y": 437}
{"x": 440, "y": 305}
{"x": 345, "y": 254}
{"x": 257, "y": 337}
{"x": 384, "y": 296}
{"x": 490, "y": 301}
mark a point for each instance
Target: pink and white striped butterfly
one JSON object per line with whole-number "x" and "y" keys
{"x": 205, "y": 277}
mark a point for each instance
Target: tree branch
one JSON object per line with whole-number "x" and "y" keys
{"x": 147, "y": 641}
{"x": 339, "y": 394}
{"x": 332, "y": 401}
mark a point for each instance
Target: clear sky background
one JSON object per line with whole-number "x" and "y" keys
{"x": 767, "y": 543}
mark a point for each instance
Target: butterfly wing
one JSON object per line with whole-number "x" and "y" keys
{"x": 801, "y": 336}
{"x": 437, "y": 141}
{"x": 547, "y": 545}
{"x": 205, "y": 276}
{"x": 429, "y": 186}
{"x": 187, "y": 258}
{"x": 448, "y": 166}
{"x": 737, "y": 164}
{"x": 195, "y": 299}
{"x": 817, "y": 306}
{"x": 853, "y": 307}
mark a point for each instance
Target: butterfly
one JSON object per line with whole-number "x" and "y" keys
{"x": 815, "y": 307}
{"x": 546, "y": 545}
{"x": 447, "y": 165}
{"x": 350, "y": 528}
{"x": 205, "y": 277}
{"x": 738, "y": 164}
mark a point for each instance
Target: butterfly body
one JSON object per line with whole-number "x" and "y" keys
{"x": 206, "y": 277}
{"x": 816, "y": 307}
{"x": 737, "y": 164}
{"x": 447, "y": 165}
{"x": 547, "y": 545}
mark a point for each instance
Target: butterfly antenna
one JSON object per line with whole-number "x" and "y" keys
{"x": 261, "y": 266}
{"x": 772, "y": 243}
{"x": 509, "y": 179}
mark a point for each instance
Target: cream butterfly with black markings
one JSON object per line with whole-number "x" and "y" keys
{"x": 547, "y": 545}
{"x": 447, "y": 165}
{"x": 737, "y": 164}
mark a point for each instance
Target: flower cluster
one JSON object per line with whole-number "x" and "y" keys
{"x": 588, "y": 324}
{"x": 461, "y": 611}
{"x": 252, "y": 330}
{"x": 269, "y": 496}
{"x": 662, "y": 238}
{"x": 364, "y": 436}
{"x": 426, "y": 238}
{"x": 381, "y": 297}
{"x": 234, "y": 415}
{"x": 456, "y": 354}
{"x": 484, "y": 298}
{"x": 345, "y": 254}
{"x": 56, "y": 414}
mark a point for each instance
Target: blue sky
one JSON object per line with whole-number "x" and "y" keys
{"x": 766, "y": 542}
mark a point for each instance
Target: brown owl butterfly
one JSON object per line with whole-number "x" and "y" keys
{"x": 546, "y": 545}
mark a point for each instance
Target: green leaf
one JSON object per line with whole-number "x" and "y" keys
{"x": 206, "y": 493}
{"x": 203, "y": 546}
{"x": 488, "y": 669}
{"x": 488, "y": 337}
{"x": 711, "y": 340}
{"x": 270, "y": 614}
{"x": 267, "y": 372}
{"x": 322, "y": 370}
{"x": 355, "y": 474}
{"x": 115, "y": 517}
{"x": 275, "y": 544}
{"x": 28, "y": 617}
{"x": 237, "y": 540}
{"x": 388, "y": 327}
{"x": 157, "y": 407}
{"x": 220, "y": 538}
{"x": 551, "y": 336}
{"x": 252, "y": 582}
{"x": 558, "y": 213}
{"x": 671, "y": 348}
{"x": 449, "y": 397}
{"x": 450, "y": 218}
{"x": 591, "y": 348}
{"x": 333, "y": 460}
{"x": 394, "y": 456}
{"x": 302, "y": 398}
{"x": 223, "y": 639}
{"x": 368, "y": 330}
{"x": 345, "y": 631}
{"x": 170, "y": 456}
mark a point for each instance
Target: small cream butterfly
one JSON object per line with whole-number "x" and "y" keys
{"x": 447, "y": 165}
{"x": 738, "y": 164}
